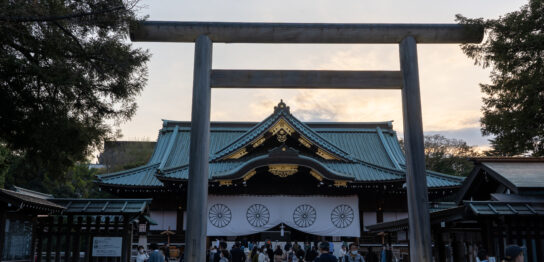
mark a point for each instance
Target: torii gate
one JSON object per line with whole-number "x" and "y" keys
{"x": 407, "y": 79}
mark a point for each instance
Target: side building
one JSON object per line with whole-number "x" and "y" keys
{"x": 501, "y": 203}
{"x": 281, "y": 179}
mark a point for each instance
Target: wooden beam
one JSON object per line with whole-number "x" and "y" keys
{"x": 306, "y": 79}
{"x": 226, "y": 32}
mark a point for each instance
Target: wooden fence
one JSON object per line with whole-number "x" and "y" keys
{"x": 70, "y": 238}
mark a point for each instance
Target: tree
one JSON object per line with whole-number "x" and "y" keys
{"x": 5, "y": 161}
{"x": 122, "y": 155}
{"x": 513, "y": 108}
{"x": 76, "y": 181}
{"x": 447, "y": 155}
{"x": 66, "y": 71}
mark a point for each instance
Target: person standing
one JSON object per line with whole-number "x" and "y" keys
{"x": 155, "y": 255}
{"x": 387, "y": 254}
{"x": 353, "y": 255}
{"x": 482, "y": 255}
{"x": 343, "y": 253}
{"x": 254, "y": 255}
{"x": 262, "y": 256}
{"x": 311, "y": 254}
{"x": 278, "y": 254}
{"x": 300, "y": 253}
{"x": 224, "y": 255}
{"x": 222, "y": 246}
{"x": 236, "y": 254}
{"x": 371, "y": 256}
{"x": 211, "y": 255}
{"x": 269, "y": 252}
{"x": 514, "y": 253}
{"x": 142, "y": 255}
{"x": 325, "y": 256}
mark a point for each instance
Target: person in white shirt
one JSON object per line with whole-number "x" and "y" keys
{"x": 343, "y": 253}
{"x": 263, "y": 257}
{"x": 142, "y": 255}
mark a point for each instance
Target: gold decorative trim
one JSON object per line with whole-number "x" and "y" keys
{"x": 340, "y": 183}
{"x": 259, "y": 141}
{"x": 282, "y": 136}
{"x": 316, "y": 175}
{"x": 283, "y": 170}
{"x": 326, "y": 155}
{"x": 281, "y": 129}
{"x": 282, "y": 125}
{"x": 305, "y": 142}
{"x": 225, "y": 182}
{"x": 249, "y": 174}
{"x": 240, "y": 153}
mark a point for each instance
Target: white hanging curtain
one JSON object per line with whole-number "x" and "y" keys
{"x": 318, "y": 215}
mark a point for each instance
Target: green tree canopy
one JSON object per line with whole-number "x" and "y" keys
{"x": 66, "y": 71}
{"x": 447, "y": 155}
{"x": 513, "y": 110}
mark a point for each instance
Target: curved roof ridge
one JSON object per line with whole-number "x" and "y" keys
{"x": 265, "y": 122}
{"x": 392, "y": 170}
{"x": 280, "y": 111}
{"x": 446, "y": 176}
{"x": 127, "y": 171}
{"x": 313, "y": 132}
{"x": 242, "y": 163}
{"x": 442, "y": 175}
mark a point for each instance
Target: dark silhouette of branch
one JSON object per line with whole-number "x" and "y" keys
{"x": 56, "y": 18}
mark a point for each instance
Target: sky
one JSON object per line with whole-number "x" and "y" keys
{"x": 450, "y": 92}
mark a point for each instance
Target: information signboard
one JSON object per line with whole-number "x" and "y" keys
{"x": 107, "y": 246}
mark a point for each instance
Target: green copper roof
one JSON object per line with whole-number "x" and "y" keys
{"x": 361, "y": 172}
{"x": 367, "y": 151}
{"x": 102, "y": 206}
{"x": 143, "y": 176}
{"x": 483, "y": 208}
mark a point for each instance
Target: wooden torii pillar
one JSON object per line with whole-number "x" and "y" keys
{"x": 405, "y": 35}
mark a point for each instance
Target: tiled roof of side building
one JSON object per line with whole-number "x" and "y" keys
{"x": 103, "y": 206}
{"x": 143, "y": 176}
{"x": 520, "y": 174}
{"x": 28, "y": 201}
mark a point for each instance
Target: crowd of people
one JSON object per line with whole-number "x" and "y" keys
{"x": 157, "y": 254}
{"x": 512, "y": 253}
{"x": 319, "y": 252}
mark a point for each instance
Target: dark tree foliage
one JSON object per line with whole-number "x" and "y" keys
{"x": 447, "y": 155}
{"x": 67, "y": 71}
{"x": 122, "y": 155}
{"x": 76, "y": 181}
{"x": 513, "y": 108}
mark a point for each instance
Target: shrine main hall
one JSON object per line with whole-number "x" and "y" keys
{"x": 281, "y": 180}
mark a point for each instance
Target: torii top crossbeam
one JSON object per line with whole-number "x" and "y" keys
{"x": 227, "y": 32}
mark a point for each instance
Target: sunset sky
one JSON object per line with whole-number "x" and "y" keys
{"x": 449, "y": 81}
